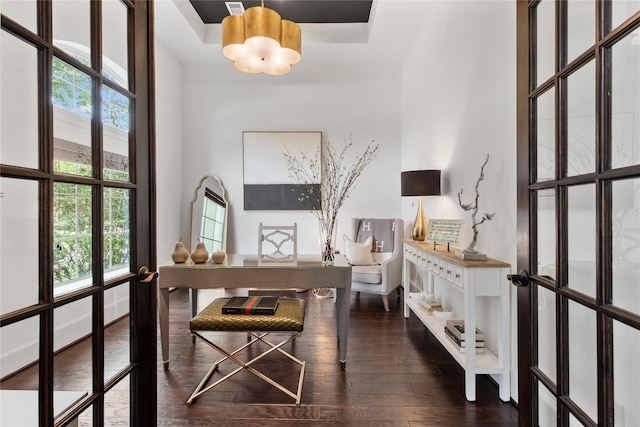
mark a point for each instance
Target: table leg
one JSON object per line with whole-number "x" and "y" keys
{"x": 193, "y": 302}
{"x": 470, "y": 356}
{"x": 163, "y": 305}
{"x": 406, "y": 285}
{"x": 193, "y": 306}
{"x": 342, "y": 322}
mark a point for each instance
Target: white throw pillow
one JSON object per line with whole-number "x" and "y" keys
{"x": 358, "y": 253}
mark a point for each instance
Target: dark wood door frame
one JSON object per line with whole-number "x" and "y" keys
{"x": 143, "y": 366}
{"x": 602, "y": 178}
{"x": 144, "y": 346}
{"x": 523, "y": 202}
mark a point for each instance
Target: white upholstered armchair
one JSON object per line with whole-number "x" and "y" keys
{"x": 374, "y": 250}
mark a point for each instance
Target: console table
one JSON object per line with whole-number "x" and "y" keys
{"x": 244, "y": 271}
{"x": 472, "y": 279}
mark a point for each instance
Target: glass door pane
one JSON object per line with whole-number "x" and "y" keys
{"x": 20, "y": 343}
{"x": 625, "y": 262}
{"x": 73, "y": 237}
{"x": 24, "y": 12}
{"x": 546, "y": 227}
{"x": 621, "y": 10}
{"x": 117, "y": 404}
{"x": 117, "y": 334}
{"x": 626, "y": 376}
{"x": 581, "y": 121}
{"x": 625, "y": 101}
{"x": 72, "y": 115}
{"x": 580, "y": 27}
{"x": 581, "y": 239}
{"x": 547, "y": 407}
{"x": 547, "y": 328}
{"x": 115, "y": 52}
{"x": 72, "y": 28}
{"x": 19, "y": 245}
{"x": 545, "y": 59}
{"x": 546, "y": 136}
{"x": 19, "y": 108}
{"x": 72, "y": 340}
{"x": 115, "y": 136}
{"x": 583, "y": 372}
{"x": 116, "y": 232}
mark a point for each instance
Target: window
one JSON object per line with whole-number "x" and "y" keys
{"x": 213, "y": 215}
{"x": 72, "y": 98}
{"x": 71, "y": 88}
{"x": 72, "y": 232}
{"x": 73, "y": 238}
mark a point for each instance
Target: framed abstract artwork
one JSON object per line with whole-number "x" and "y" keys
{"x": 267, "y": 185}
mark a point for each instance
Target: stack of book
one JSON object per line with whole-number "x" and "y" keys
{"x": 251, "y": 305}
{"x": 454, "y": 330}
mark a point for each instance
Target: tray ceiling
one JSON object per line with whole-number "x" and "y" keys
{"x": 298, "y": 11}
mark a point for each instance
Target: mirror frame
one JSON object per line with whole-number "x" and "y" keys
{"x": 214, "y": 184}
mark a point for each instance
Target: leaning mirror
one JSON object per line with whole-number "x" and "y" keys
{"x": 209, "y": 215}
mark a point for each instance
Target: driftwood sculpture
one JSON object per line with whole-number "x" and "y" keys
{"x": 471, "y": 252}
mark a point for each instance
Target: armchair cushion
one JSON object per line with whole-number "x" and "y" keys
{"x": 358, "y": 253}
{"x": 371, "y": 274}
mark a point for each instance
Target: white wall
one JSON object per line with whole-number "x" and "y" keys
{"x": 458, "y": 105}
{"x": 350, "y": 101}
{"x": 168, "y": 153}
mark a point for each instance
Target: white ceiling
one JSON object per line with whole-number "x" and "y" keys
{"x": 392, "y": 27}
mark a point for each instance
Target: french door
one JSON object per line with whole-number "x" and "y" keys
{"x": 76, "y": 200}
{"x": 579, "y": 212}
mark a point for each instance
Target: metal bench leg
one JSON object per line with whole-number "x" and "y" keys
{"x": 201, "y": 389}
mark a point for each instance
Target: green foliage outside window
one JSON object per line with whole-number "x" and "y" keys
{"x": 72, "y": 232}
{"x": 60, "y": 166}
{"x": 71, "y": 88}
{"x": 72, "y": 91}
{"x": 72, "y": 217}
{"x": 115, "y": 109}
{"x": 115, "y": 175}
{"x": 116, "y": 228}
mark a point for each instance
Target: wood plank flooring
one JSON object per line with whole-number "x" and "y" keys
{"x": 397, "y": 374}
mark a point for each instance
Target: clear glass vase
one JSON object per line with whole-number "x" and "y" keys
{"x": 328, "y": 231}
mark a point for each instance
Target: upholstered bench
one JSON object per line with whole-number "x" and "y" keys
{"x": 288, "y": 319}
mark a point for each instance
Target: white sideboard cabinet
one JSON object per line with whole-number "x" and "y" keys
{"x": 472, "y": 279}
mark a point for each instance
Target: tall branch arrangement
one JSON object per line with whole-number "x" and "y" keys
{"x": 473, "y": 207}
{"x": 336, "y": 176}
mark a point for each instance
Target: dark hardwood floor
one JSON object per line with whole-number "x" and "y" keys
{"x": 397, "y": 374}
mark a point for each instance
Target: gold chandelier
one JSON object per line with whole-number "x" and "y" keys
{"x": 259, "y": 41}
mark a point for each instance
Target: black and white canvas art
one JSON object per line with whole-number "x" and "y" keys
{"x": 267, "y": 185}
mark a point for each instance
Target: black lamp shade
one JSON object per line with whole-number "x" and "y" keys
{"x": 420, "y": 183}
